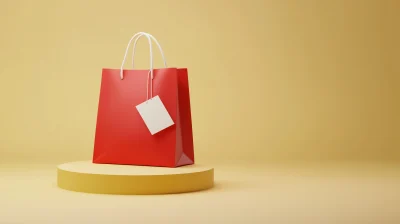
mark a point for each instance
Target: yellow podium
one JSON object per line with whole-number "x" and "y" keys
{"x": 85, "y": 176}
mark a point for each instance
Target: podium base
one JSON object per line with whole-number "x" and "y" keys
{"x": 85, "y": 176}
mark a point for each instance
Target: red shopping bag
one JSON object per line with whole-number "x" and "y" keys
{"x": 158, "y": 135}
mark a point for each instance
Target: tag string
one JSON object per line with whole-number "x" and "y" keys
{"x": 149, "y": 79}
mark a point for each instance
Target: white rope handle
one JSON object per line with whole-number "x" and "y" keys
{"x": 150, "y": 74}
{"x": 126, "y": 53}
{"x": 155, "y": 40}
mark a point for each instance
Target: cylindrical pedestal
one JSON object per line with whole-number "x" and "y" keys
{"x": 85, "y": 176}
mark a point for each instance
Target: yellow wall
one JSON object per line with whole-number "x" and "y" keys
{"x": 279, "y": 80}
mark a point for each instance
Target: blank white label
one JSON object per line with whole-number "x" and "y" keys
{"x": 155, "y": 115}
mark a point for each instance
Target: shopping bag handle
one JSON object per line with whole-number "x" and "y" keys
{"x": 155, "y": 40}
{"x": 126, "y": 53}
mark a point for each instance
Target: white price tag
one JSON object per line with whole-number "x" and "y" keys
{"x": 155, "y": 115}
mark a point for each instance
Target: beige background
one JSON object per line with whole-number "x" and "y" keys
{"x": 271, "y": 81}
{"x": 307, "y": 91}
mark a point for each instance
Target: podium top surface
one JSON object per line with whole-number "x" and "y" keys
{"x": 112, "y": 169}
